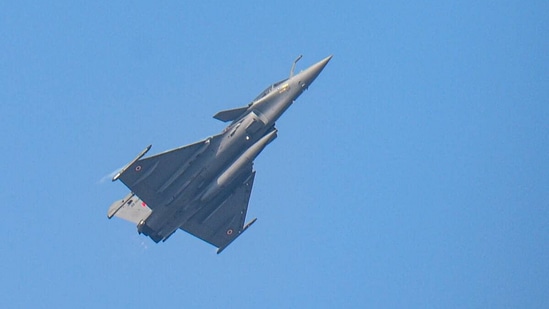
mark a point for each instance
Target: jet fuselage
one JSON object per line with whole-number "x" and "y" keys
{"x": 207, "y": 178}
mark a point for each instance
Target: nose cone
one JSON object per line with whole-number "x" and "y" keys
{"x": 307, "y": 77}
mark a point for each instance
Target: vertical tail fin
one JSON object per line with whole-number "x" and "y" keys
{"x": 130, "y": 208}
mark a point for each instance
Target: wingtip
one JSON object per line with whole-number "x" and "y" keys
{"x": 220, "y": 249}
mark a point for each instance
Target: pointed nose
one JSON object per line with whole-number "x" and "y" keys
{"x": 307, "y": 77}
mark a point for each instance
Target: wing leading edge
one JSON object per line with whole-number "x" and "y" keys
{"x": 148, "y": 178}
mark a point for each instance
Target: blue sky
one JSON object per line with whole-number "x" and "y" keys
{"x": 414, "y": 172}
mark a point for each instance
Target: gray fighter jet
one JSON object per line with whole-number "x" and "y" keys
{"x": 204, "y": 188}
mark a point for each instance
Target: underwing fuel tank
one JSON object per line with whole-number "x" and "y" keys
{"x": 233, "y": 170}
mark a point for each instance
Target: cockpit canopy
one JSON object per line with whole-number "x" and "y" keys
{"x": 269, "y": 90}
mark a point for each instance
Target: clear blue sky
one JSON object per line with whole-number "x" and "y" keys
{"x": 414, "y": 173}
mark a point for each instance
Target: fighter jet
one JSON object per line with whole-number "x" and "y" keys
{"x": 204, "y": 188}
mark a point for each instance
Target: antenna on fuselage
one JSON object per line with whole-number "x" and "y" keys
{"x": 293, "y": 65}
